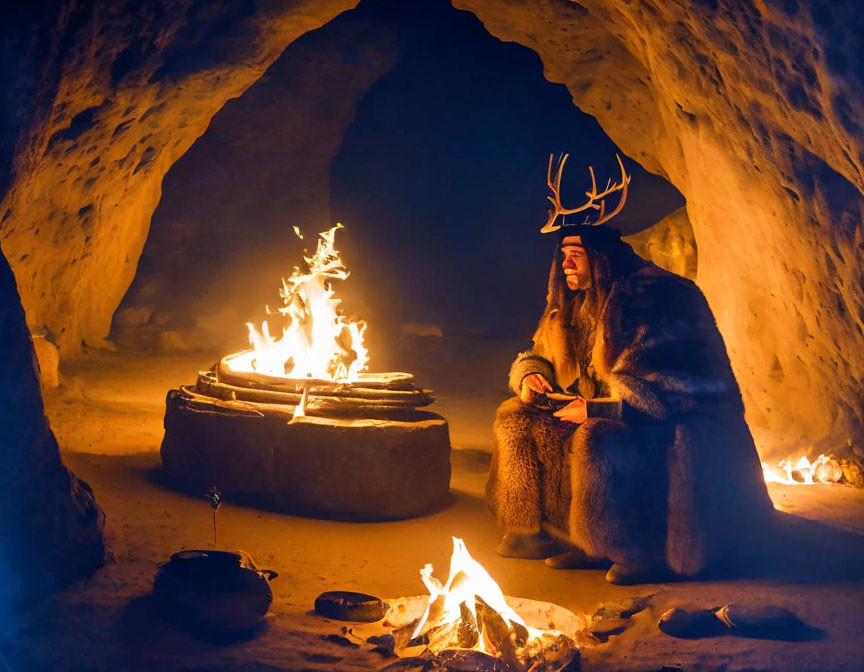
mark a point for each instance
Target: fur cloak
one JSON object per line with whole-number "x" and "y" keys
{"x": 676, "y": 478}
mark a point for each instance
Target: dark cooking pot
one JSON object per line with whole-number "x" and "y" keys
{"x": 218, "y": 593}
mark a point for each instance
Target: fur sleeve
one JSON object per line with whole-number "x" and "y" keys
{"x": 528, "y": 363}
{"x": 665, "y": 354}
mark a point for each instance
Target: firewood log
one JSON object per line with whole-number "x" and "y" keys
{"x": 395, "y": 380}
{"x": 495, "y": 631}
{"x": 324, "y": 397}
{"x": 467, "y": 634}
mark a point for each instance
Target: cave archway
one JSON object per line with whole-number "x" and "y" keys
{"x": 726, "y": 104}
{"x": 442, "y": 173}
{"x": 439, "y": 178}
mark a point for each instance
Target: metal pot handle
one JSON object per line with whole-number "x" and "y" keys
{"x": 268, "y": 574}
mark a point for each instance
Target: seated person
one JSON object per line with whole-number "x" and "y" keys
{"x": 626, "y": 442}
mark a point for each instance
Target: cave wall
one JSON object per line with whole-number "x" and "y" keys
{"x": 104, "y": 98}
{"x": 753, "y": 110}
{"x": 50, "y": 524}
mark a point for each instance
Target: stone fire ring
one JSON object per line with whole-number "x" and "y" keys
{"x": 371, "y": 461}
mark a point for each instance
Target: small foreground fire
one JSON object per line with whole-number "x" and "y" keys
{"x": 317, "y": 341}
{"x": 470, "y": 613}
{"x": 823, "y": 470}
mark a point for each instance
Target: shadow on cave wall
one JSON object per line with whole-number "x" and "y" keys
{"x": 440, "y": 181}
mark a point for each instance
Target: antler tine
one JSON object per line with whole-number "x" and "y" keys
{"x": 593, "y": 193}
{"x": 625, "y": 180}
{"x": 615, "y": 186}
{"x": 555, "y": 198}
{"x": 561, "y": 163}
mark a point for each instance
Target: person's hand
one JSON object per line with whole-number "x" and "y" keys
{"x": 576, "y": 411}
{"x": 532, "y": 386}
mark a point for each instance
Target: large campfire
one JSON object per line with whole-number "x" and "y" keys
{"x": 296, "y": 423}
{"x": 466, "y": 622}
{"x": 317, "y": 340}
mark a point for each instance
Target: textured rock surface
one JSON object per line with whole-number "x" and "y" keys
{"x": 49, "y": 362}
{"x": 105, "y": 97}
{"x": 670, "y": 244}
{"x": 754, "y": 111}
{"x": 277, "y": 141}
{"x": 50, "y": 525}
{"x": 345, "y": 469}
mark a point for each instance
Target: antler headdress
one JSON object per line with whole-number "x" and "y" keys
{"x": 593, "y": 195}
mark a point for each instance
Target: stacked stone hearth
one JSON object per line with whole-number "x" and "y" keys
{"x": 359, "y": 451}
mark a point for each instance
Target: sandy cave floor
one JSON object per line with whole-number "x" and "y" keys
{"x": 108, "y": 419}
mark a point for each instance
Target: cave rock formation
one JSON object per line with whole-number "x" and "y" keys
{"x": 752, "y": 110}
{"x": 50, "y": 524}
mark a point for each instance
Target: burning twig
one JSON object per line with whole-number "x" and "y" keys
{"x": 215, "y": 499}
{"x": 300, "y": 409}
{"x": 824, "y": 469}
{"x": 468, "y": 617}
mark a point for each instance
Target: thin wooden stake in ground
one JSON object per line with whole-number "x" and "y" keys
{"x": 215, "y": 498}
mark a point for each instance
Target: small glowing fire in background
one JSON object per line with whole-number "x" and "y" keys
{"x": 470, "y": 613}
{"x": 317, "y": 341}
{"x": 823, "y": 470}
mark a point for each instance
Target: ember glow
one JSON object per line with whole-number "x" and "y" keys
{"x": 470, "y": 612}
{"x": 317, "y": 341}
{"x": 823, "y": 470}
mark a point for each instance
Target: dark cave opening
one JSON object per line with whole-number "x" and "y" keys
{"x": 441, "y": 176}
{"x": 430, "y": 140}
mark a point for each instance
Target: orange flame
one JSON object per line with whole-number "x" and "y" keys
{"x": 823, "y": 470}
{"x": 467, "y": 581}
{"x": 317, "y": 341}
